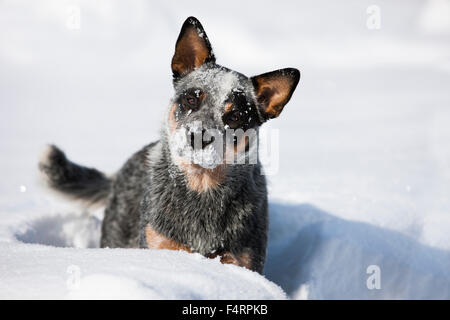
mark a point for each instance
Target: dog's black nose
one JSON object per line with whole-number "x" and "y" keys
{"x": 201, "y": 137}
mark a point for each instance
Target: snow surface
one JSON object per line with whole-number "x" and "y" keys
{"x": 363, "y": 174}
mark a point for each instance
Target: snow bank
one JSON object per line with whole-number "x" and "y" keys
{"x": 312, "y": 254}
{"x": 47, "y": 268}
{"x": 329, "y": 256}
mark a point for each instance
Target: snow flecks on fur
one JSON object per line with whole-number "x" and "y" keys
{"x": 180, "y": 145}
{"x": 220, "y": 82}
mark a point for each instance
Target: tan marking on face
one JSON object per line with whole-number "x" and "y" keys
{"x": 228, "y": 107}
{"x": 172, "y": 120}
{"x": 202, "y": 96}
{"x": 156, "y": 240}
{"x": 200, "y": 179}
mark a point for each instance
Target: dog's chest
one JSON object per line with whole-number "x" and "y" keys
{"x": 204, "y": 223}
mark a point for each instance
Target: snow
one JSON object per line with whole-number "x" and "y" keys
{"x": 44, "y": 272}
{"x": 182, "y": 151}
{"x": 363, "y": 174}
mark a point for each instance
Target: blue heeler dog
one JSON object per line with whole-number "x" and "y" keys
{"x": 187, "y": 191}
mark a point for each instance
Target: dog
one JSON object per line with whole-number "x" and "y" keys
{"x": 164, "y": 197}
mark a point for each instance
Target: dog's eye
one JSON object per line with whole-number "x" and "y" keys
{"x": 235, "y": 117}
{"x": 191, "y": 101}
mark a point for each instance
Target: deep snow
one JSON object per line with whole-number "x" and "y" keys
{"x": 364, "y": 166}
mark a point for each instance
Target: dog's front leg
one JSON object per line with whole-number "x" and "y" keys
{"x": 241, "y": 260}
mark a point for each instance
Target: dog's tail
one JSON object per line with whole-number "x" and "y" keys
{"x": 72, "y": 180}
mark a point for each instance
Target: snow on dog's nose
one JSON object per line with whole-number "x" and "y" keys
{"x": 196, "y": 145}
{"x": 200, "y": 139}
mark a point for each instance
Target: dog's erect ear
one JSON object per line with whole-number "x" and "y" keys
{"x": 274, "y": 89}
{"x": 192, "y": 49}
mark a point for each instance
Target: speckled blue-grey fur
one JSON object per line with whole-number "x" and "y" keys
{"x": 230, "y": 218}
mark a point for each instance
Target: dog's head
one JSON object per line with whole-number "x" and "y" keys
{"x": 212, "y": 103}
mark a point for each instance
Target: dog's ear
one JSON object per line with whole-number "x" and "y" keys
{"x": 192, "y": 49}
{"x": 274, "y": 89}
